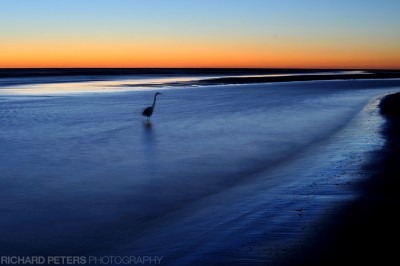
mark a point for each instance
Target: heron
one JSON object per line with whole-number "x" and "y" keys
{"x": 149, "y": 110}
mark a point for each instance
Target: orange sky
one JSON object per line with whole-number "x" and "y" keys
{"x": 230, "y": 34}
{"x": 196, "y": 54}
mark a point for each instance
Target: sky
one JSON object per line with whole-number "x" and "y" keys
{"x": 200, "y": 33}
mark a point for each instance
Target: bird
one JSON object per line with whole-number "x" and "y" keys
{"x": 149, "y": 110}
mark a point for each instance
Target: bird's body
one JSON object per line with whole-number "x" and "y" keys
{"x": 149, "y": 110}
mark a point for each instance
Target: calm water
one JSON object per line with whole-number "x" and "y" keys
{"x": 218, "y": 169}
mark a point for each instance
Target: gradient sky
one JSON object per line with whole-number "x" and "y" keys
{"x": 200, "y": 33}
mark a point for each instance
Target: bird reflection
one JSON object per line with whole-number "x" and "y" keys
{"x": 148, "y": 132}
{"x": 150, "y": 146}
{"x": 148, "y": 126}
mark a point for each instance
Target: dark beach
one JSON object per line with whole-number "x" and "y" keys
{"x": 366, "y": 230}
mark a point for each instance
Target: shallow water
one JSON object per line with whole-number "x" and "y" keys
{"x": 221, "y": 174}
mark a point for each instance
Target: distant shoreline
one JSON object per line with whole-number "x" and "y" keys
{"x": 62, "y": 72}
{"x": 204, "y": 76}
{"x": 246, "y": 80}
{"x": 46, "y": 72}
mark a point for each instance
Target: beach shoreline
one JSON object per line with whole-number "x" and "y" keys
{"x": 366, "y": 229}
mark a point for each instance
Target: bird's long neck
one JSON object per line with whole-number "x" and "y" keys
{"x": 154, "y": 101}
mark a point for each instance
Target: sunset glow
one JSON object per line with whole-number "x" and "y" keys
{"x": 256, "y": 33}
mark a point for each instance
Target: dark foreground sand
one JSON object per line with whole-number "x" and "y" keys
{"x": 367, "y": 230}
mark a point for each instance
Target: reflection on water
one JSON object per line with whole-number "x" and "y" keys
{"x": 148, "y": 125}
{"x": 133, "y": 83}
{"x": 149, "y": 145}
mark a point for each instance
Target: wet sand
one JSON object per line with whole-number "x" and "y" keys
{"x": 366, "y": 230}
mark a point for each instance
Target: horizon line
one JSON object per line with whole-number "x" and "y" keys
{"x": 260, "y": 68}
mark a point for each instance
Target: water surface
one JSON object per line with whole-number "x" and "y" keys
{"x": 222, "y": 173}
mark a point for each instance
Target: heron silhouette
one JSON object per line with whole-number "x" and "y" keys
{"x": 149, "y": 110}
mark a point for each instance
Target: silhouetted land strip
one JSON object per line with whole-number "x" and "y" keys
{"x": 49, "y": 72}
{"x": 287, "y": 77}
{"x": 224, "y": 75}
{"x": 367, "y": 230}
{"x": 305, "y": 77}
{"x": 46, "y": 72}
{"x": 274, "y": 79}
